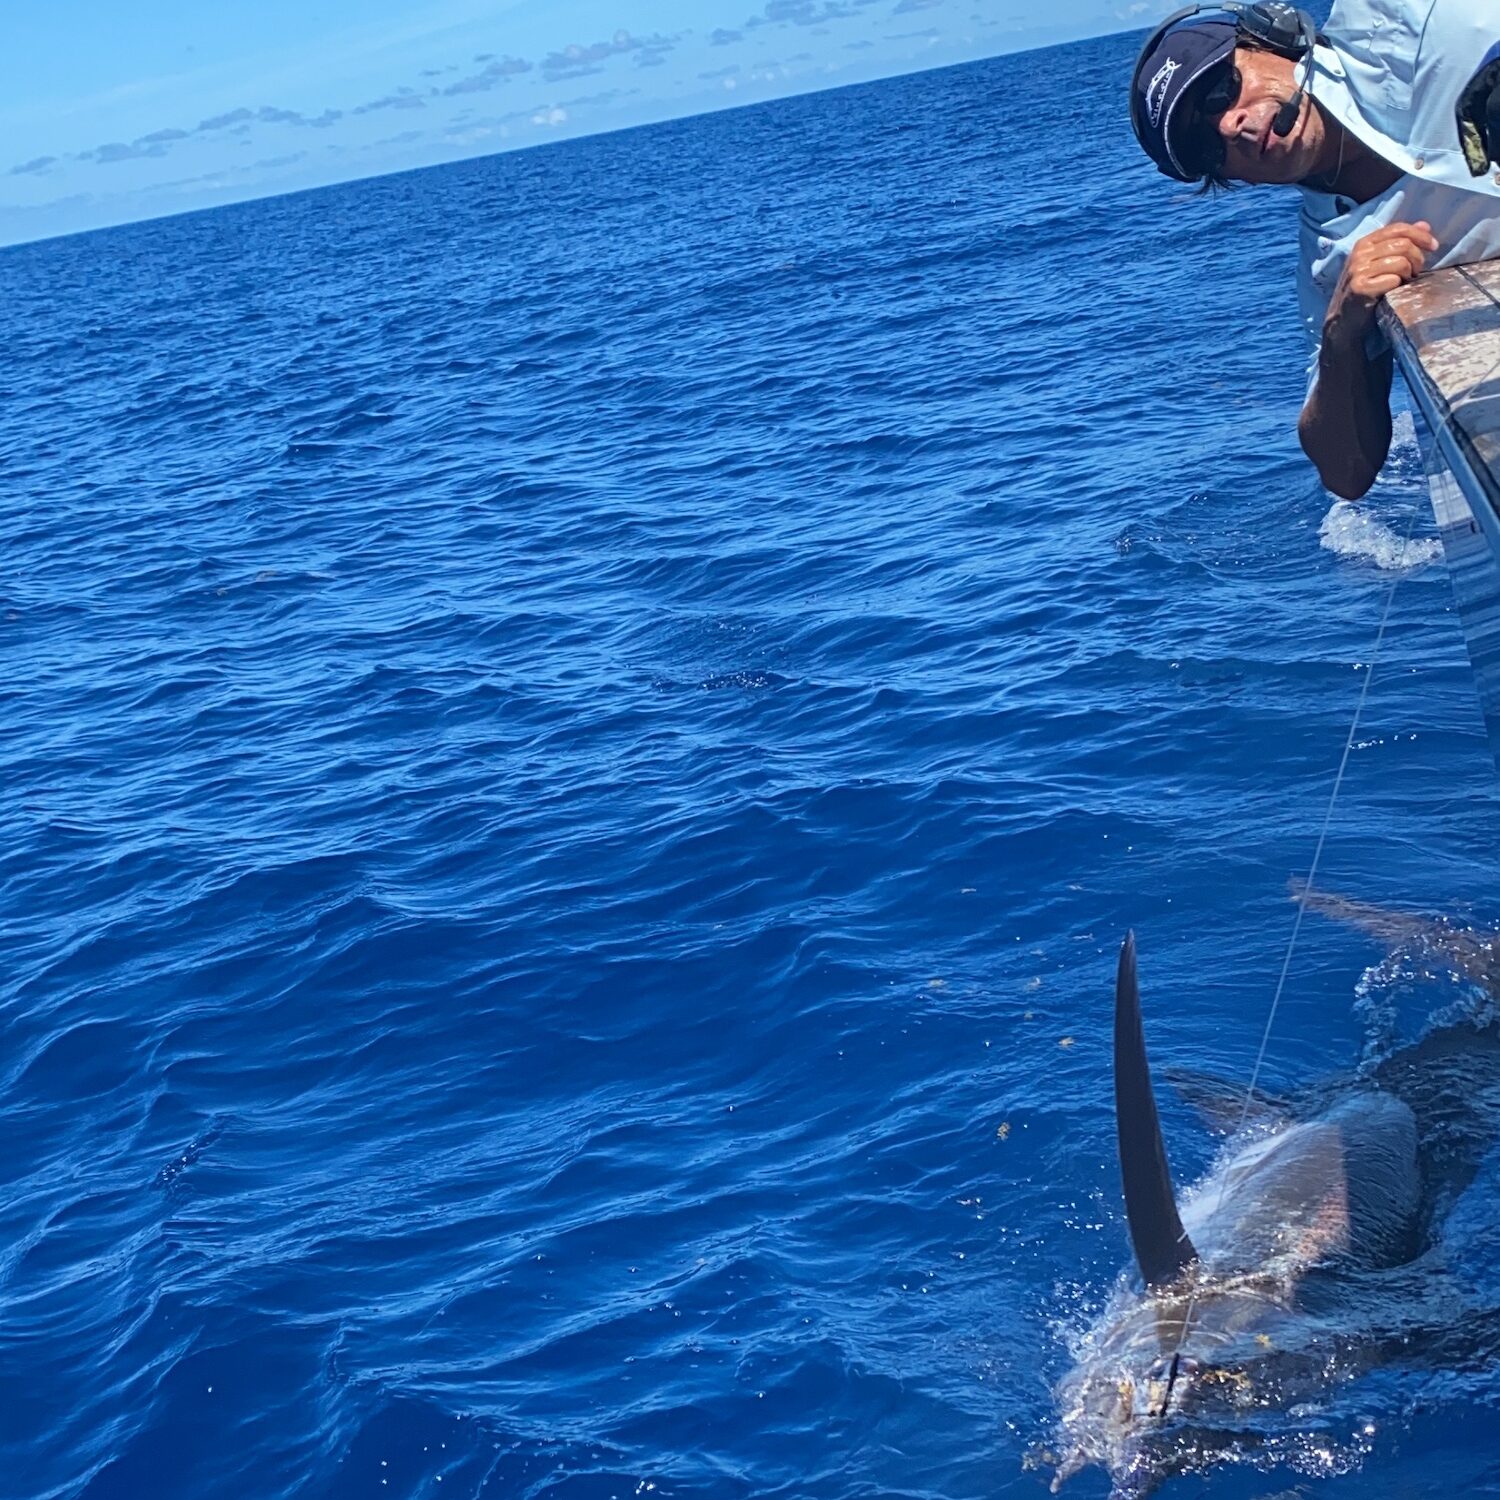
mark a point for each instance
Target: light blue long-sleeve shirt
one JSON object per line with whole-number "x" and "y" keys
{"x": 1391, "y": 74}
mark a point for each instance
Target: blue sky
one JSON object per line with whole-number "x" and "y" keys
{"x": 112, "y": 112}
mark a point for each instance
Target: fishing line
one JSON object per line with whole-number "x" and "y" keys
{"x": 1291, "y": 947}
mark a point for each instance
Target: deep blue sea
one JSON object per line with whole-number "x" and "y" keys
{"x": 580, "y": 732}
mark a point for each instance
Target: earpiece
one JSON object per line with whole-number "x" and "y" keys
{"x": 1277, "y": 24}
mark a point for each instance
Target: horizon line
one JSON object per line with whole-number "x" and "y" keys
{"x": 666, "y": 119}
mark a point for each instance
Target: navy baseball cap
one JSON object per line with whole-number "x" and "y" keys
{"x": 1174, "y": 59}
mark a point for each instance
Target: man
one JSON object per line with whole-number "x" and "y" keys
{"x": 1388, "y": 120}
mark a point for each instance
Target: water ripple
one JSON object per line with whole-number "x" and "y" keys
{"x": 580, "y": 727}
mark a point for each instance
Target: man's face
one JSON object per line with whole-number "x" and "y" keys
{"x": 1252, "y": 153}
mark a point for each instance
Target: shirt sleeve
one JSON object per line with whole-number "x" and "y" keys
{"x": 1312, "y": 307}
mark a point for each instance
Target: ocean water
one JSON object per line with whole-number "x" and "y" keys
{"x": 581, "y": 730}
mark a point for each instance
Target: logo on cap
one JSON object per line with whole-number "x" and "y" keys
{"x": 1156, "y": 90}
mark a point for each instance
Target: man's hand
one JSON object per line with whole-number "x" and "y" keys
{"x": 1345, "y": 426}
{"x": 1377, "y": 264}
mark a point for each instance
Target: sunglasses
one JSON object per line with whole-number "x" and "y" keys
{"x": 1202, "y": 149}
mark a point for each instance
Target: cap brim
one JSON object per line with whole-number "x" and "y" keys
{"x": 1173, "y": 62}
{"x": 1174, "y": 108}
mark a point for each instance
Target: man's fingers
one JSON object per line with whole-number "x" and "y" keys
{"x": 1375, "y": 275}
{"x": 1376, "y": 284}
{"x": 1403, "y": 265}
{"x": 1398, "y": 257}
{"x": 1385, "y": 259}
{"x": 1400, "y": 244}
{"x": 1419, "y": 234}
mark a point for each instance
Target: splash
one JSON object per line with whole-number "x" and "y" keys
{"x": 1294, "y": 1407}
{"x": 1354, "y": 531}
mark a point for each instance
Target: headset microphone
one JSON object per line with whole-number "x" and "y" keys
{"x": 1286, "y": 116}
{"x": 1290, "y": 31}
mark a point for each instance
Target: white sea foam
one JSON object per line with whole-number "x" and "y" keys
{"x": 1404, "y": 436}
{"x": 1354, "y": 531}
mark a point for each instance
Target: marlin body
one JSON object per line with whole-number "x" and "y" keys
{"x": 1296, "y": 1262}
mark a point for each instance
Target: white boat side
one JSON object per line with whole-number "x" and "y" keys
{"x": 1445, "y": 330}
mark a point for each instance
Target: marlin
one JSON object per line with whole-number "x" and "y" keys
{"x": 1310, "y": 1252}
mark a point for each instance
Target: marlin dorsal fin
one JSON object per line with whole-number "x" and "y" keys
{"x": 1162, "y": 1247}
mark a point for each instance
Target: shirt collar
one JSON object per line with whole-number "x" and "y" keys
{"x": 1330, "y": 87}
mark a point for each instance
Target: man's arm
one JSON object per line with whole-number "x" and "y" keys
{"x": 1345, "y": 425}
